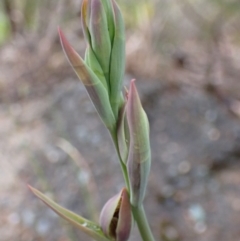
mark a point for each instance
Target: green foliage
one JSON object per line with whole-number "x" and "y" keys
{"x": 86, "y": 226}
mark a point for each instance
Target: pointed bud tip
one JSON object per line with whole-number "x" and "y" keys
{"x": 132, "y": 84}
{"x": 71, "y": 54}
{"x": 133, "y": 81}
{"x": 133, "y": 97}
{"x": 62, "y": 37}
{"x": 32, "y": 189}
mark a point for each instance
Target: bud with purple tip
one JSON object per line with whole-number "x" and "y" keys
{"x": 116, "y": 217}
{"x": 139, "y": 157}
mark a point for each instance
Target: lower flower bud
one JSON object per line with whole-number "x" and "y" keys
{"x": 116, "y": 217}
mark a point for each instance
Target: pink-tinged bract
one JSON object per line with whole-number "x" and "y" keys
{"x": 139, "y": 157}
{"x": 96, "y": 90}
{"x": 123, "y": 133}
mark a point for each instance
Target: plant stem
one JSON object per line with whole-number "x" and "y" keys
{"x": 123, "y": 166}
{"x": 143, "y": 226}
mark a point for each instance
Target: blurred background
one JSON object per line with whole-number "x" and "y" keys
{"x": 185, "y": 55}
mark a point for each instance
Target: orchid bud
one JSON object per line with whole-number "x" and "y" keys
{"x": 95, "y": 26}
{"x": 100, "y": 39}
{"x": 103, "y": 29}
{"x": 139, "y": 157}
{"x": 116, "y": 217}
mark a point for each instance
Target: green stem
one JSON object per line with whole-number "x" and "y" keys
{"x": 123, "y": 166}
{"x": 143, "y": 226}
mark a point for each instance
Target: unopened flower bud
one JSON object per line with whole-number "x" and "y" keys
{"x": 139, "y": 157}
{"x": 116, "y": 217}
{"x": 104, "y": 31}
{"x": 95, "y": 28}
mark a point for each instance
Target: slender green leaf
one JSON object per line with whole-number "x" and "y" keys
{"x": 86, "y": 226}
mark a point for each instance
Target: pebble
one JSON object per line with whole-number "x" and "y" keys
{"x": 28, "y": 217}
{"x": 197, "y": 213}
{"x": 184, "y": 167}
{"x": 43, "y": 226}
